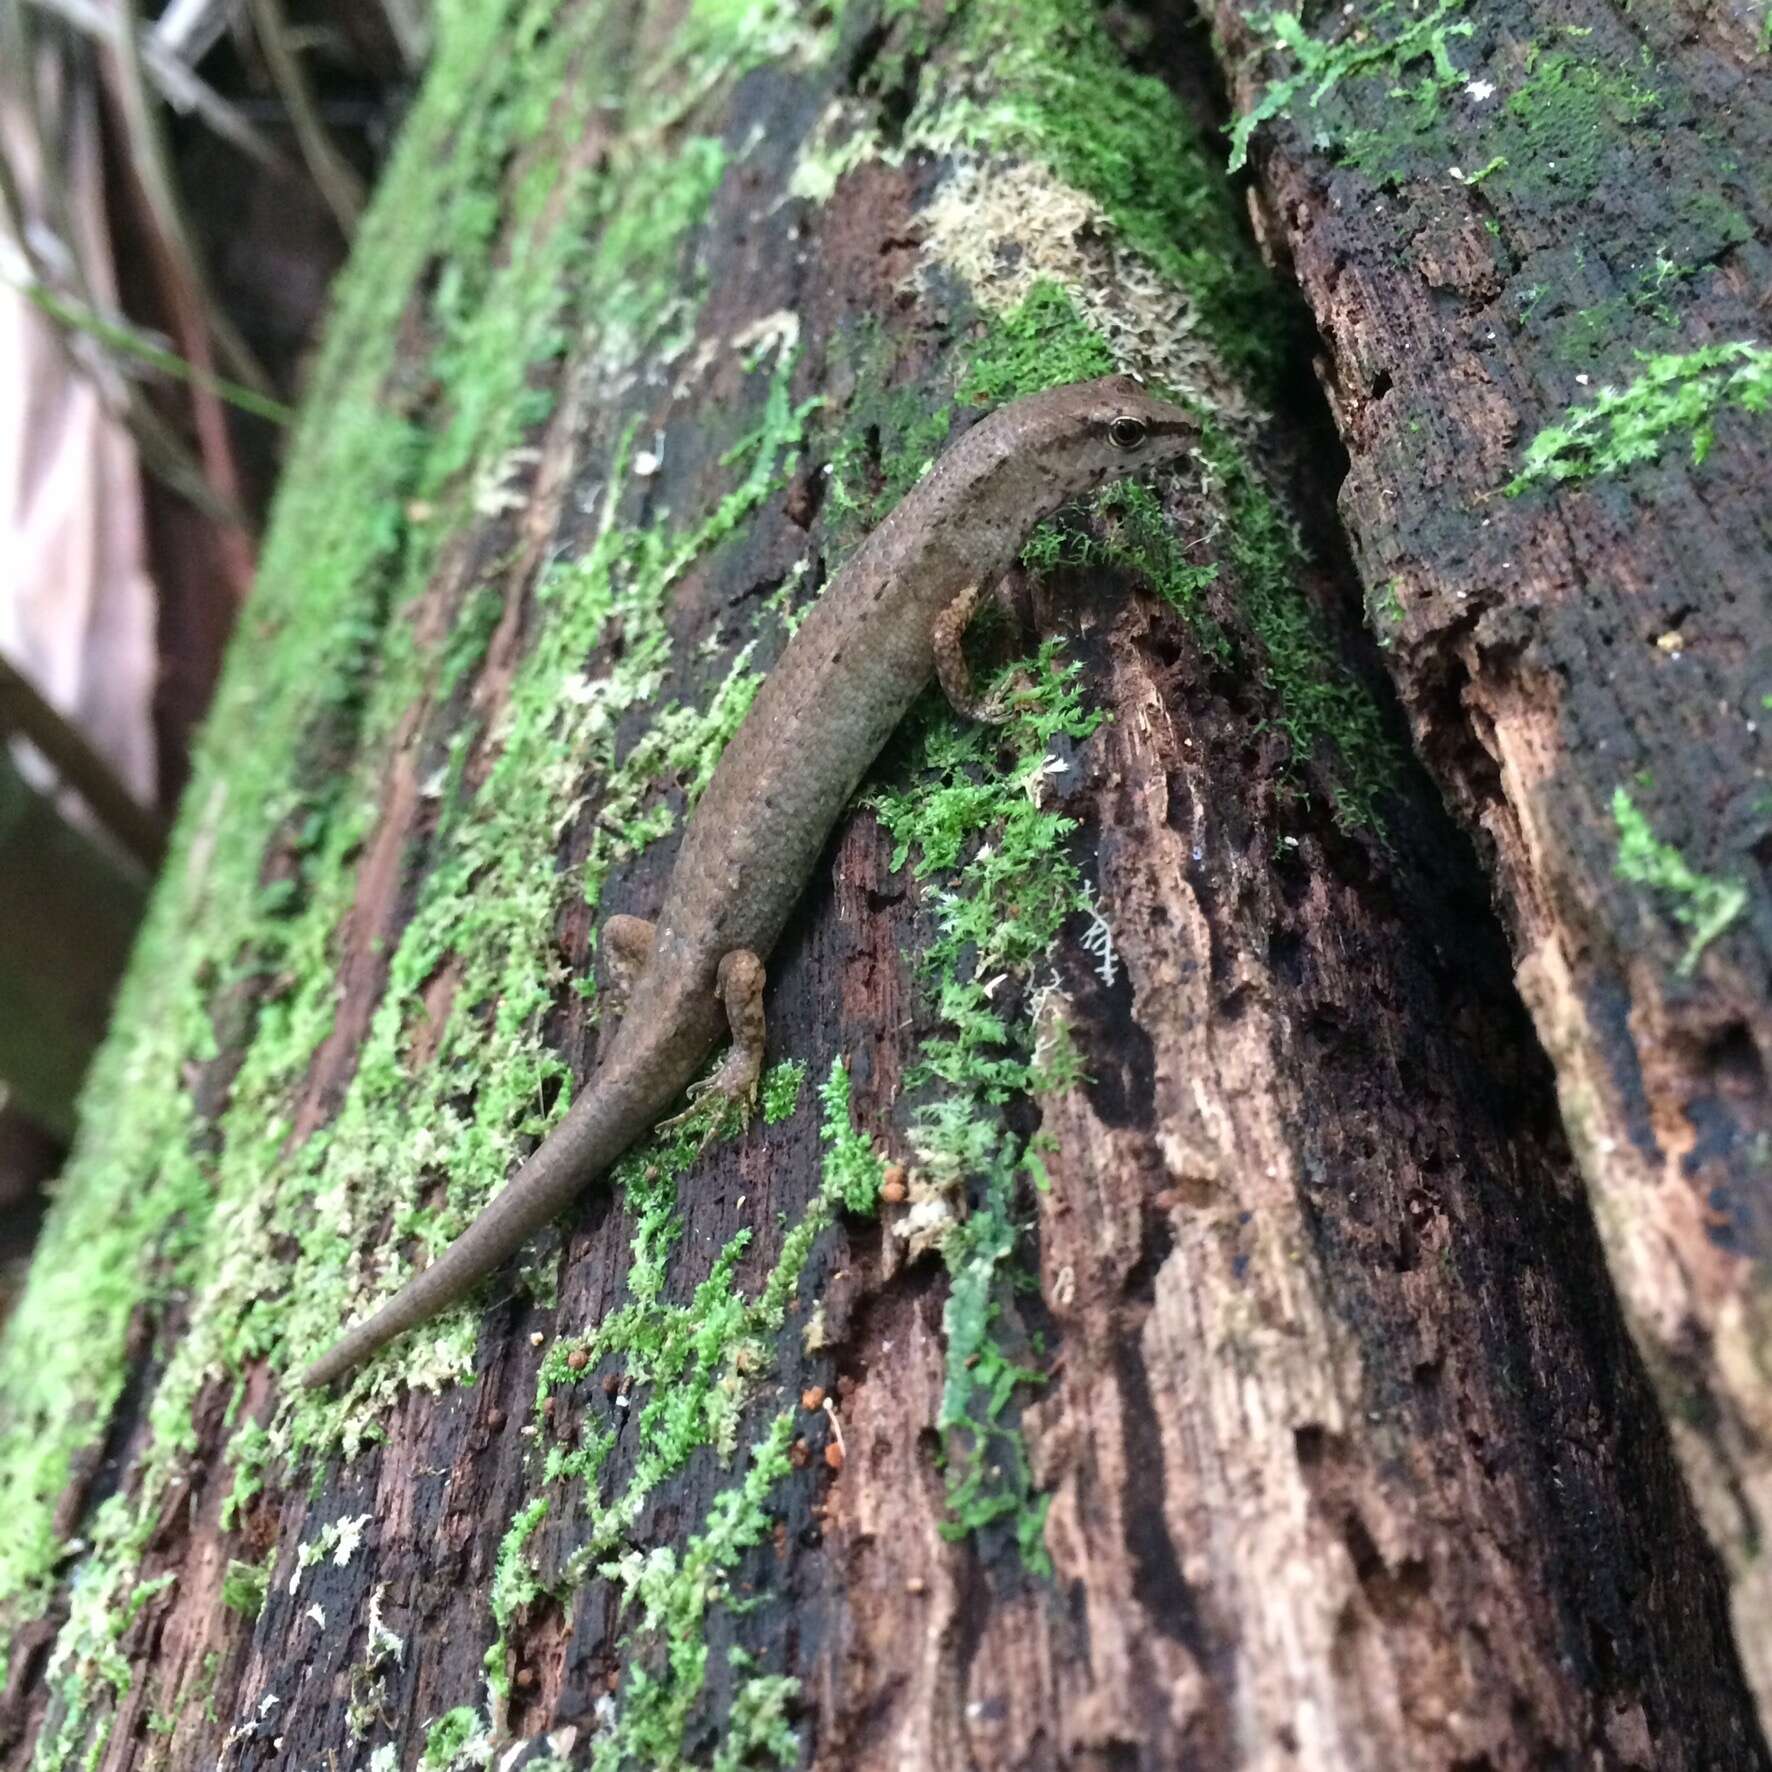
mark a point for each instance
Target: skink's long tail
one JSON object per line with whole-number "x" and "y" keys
{"x": 618, "y": 1108}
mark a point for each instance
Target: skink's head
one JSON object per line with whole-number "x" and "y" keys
{"x": 1116, "y": 426}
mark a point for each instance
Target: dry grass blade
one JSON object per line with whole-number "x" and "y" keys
{"x": 50, "y": 267}
{"x": 130, "y": 342}
{"x": 163, "y": 451}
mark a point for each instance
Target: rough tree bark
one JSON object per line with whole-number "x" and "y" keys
{"x": 1222, "y": 1372}
{"x": 1535, "y": 240}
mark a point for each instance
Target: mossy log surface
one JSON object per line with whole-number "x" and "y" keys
{"x": 1156, "y": 1320}
{"x": 1535, "y": 239}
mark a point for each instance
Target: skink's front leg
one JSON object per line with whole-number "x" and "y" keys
{"x": 951, "y": 669}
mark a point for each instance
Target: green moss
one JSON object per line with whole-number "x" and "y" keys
{"x": 249, "y": 1452}
{"x": 1042, "y": 343}
{"x": 1677, "y": 396}
{"x": 1378, "y": 99}
{"x": 515, "y": 1582}
{"x": 885, "y": 438}
{"x": 782, "y": 1084}
{"x": 689, "y": 1370}
{"x": 101, "y": 1607}
{"x": 667, "y": 1647}
{"x": 244, "y": 1585}
{"x": 1384, "y": 612}
{"x": 1325, "y": 712}
{"x": 1127, "y": 530}
{"x": 968, "y": 816}
{"x": 1323, "y": 709}
{"x": 1644, "y": 317}
{"x": 455, "y": 1737}
{"x": 1590, "y": 335}
{"x": 758, "y": 1730}
{"x": 1704, "y": 905}
{"x": 1565, "y": 122}
{"x": 1369, "y": 52}
{"x": 853, "y": 1170}
{"x": 1061, "y": 91}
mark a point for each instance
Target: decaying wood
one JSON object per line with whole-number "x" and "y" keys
{"x": 1577, "y": 640}
{"x": 1351, "y": 1462}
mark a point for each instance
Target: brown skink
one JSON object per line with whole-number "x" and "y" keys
{"x": 891, "y": 618}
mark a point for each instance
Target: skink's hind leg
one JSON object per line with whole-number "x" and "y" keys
{"x": 733, "y": 1084}
{"x": 627, "y": 946}
{"x": 951, "y": 669}
{"x": 740, "y": 984}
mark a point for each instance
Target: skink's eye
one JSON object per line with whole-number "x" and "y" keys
{"x": 1126, "y": 433}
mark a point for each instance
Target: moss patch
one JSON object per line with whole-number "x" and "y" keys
{"x": 1325, "y": 712}
{"x": 1383, "y": 46}
{"x": 782, "y": 1084}
{"x": 972, "y": 815}
{"x": 1051, "y": 84}
{"x": 689, "y": 1373}
{"x": 244, "y": 1585}
{"x": 456, "y": 1738}
{"x": 1698, "y": 902}
{"x": 1439, "y": 96}
{"x": 1675, "y": 399}
{"x": 1042, "y": 343}
{"x": 671, "y": 1595}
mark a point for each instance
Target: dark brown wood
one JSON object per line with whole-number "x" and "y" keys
{"x": 1581, "y": 201}
{"x": 1340, "y": 1455}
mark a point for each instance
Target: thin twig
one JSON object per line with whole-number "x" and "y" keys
{"x": 182, "y": 89}
{"x": 153, "y": 169}
{"x": 163, "y": 451}
{"x": 189, "y": 29}
{"x": 409, "y": 25}
{"x": 334, "y": 177}
{"x": 23, "y": 711}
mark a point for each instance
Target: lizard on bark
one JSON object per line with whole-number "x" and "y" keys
{"x": 894, "y": 615}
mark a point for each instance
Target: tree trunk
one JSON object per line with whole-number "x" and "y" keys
{"x": 1541, "y": 283}
{"x": 1155, "y": 1321}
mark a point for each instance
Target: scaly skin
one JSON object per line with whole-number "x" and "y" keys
{"x": 844, "y": 682}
